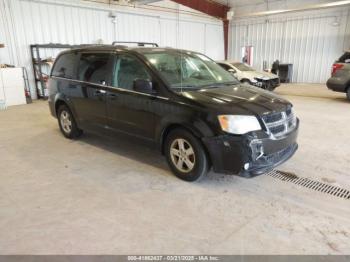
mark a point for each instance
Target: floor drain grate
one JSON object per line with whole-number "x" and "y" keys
{"x": 311, "y": 184}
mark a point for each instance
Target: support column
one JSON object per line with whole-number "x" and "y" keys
{"x": 213, "y": 9}
{"x": 226, "y": 28}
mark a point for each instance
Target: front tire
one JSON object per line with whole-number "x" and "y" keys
{"x": 186, "y": 155}
{"x": 67, "y": 123}
{"x": 348, "y": 93}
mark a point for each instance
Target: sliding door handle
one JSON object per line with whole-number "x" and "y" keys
{"x": 100, "y": 92}
{"x": 112, "y": 96}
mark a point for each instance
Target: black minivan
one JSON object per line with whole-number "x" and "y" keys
{"x": 198, "y": 114}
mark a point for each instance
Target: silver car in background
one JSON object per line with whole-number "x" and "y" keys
{"x": 246, "y": 74}
{"x": 340, "y": 80}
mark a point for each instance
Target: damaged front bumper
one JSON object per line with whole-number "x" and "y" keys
{"x": 251, "y": 154}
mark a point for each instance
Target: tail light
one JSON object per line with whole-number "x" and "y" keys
{"x": 335, "y": 68}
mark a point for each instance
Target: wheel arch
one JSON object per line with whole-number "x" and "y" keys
{"x": 194, "y": 131}
{"x": 172, "y": 126}
{"x": 61, "y": 99}
{"x": 244, "y": 80}
{"x": 58, "y": 103}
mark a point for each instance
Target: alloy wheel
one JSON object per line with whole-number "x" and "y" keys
{"x": 182, "y": 155}
{"x": 66, "y": 121}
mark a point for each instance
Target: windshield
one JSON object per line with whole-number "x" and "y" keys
{"x": 189, "y": 70}
{"x": 242, "y": 67}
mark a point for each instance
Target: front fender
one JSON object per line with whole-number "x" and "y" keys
{"x": 196, "y": 126}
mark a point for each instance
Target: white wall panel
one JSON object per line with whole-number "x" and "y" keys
{"x": 166, "y": 39}
{"x": 138, "y": 28}
{"x": 192, "y": 36}
{"x": 26, "y": 22}
{"x": 214, "y": 39}
{"x": 310, "y": 42}
{"x": 7, "y": 53}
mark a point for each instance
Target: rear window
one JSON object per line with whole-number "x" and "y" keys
{"x": 345, "y": 58}
{"x": 65, "y": 66}
{"x": 224, "y": 66}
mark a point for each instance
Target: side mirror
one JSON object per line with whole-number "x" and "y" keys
{"x": 143, "y": 86}
{"x": 232, "y": 71}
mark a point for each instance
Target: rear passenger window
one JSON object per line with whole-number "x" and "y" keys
{"x": 65, "y": 66}
{"x": 93, "y": 68}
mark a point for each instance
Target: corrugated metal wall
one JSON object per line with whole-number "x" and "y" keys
{"x": 25, "y": 22}
{"x": 310, "y": 42}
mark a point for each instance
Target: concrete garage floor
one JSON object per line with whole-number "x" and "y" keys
{"x": 111, "y": 196}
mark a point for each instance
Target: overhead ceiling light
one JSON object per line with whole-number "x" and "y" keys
{"x": 230, "y": 14}
{"x": 305, "y": 8}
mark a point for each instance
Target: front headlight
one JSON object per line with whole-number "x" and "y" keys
{"x": 238, "y": 125}
{"x": 254, "y": 80}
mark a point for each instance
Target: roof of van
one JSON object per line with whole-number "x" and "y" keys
{"x": 138, "y": 49}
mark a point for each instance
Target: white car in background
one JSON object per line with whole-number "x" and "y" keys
{"x": 246, "y": 74}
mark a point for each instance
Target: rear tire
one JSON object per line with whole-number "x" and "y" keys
{"x": 186, "y": 155}
{"x": 348, "y": 93}
{"x": 67, "y": 123}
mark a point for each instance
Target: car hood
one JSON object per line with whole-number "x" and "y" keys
{"x": 238, "y": 99}
{"x": 259, "y": 74}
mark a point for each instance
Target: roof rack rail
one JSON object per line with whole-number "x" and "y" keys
{"x": 138, "y": 43}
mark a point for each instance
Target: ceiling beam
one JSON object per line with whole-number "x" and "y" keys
{"x": 213, "y": 9}
{"x": 206, "y": 6}
{"x": 144, "y": 2}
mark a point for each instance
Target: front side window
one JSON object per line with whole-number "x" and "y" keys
{"x": 127, "y": 70}
{"x": 94, "y": 68}
{"x": 65, "y": 66}
{"x": 188, "y": 70}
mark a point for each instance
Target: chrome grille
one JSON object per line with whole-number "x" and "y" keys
{"x": 268, "y": 83}
{"x": 280, "y": 123}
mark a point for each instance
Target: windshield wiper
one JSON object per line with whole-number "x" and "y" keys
{"x": 213, "y": 85}
{"x": 185, "y": 87}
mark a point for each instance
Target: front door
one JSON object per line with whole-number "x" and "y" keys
{"x": 129, "y": 111}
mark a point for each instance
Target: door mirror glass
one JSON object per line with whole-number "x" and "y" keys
{"x": 143, "y": 86}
